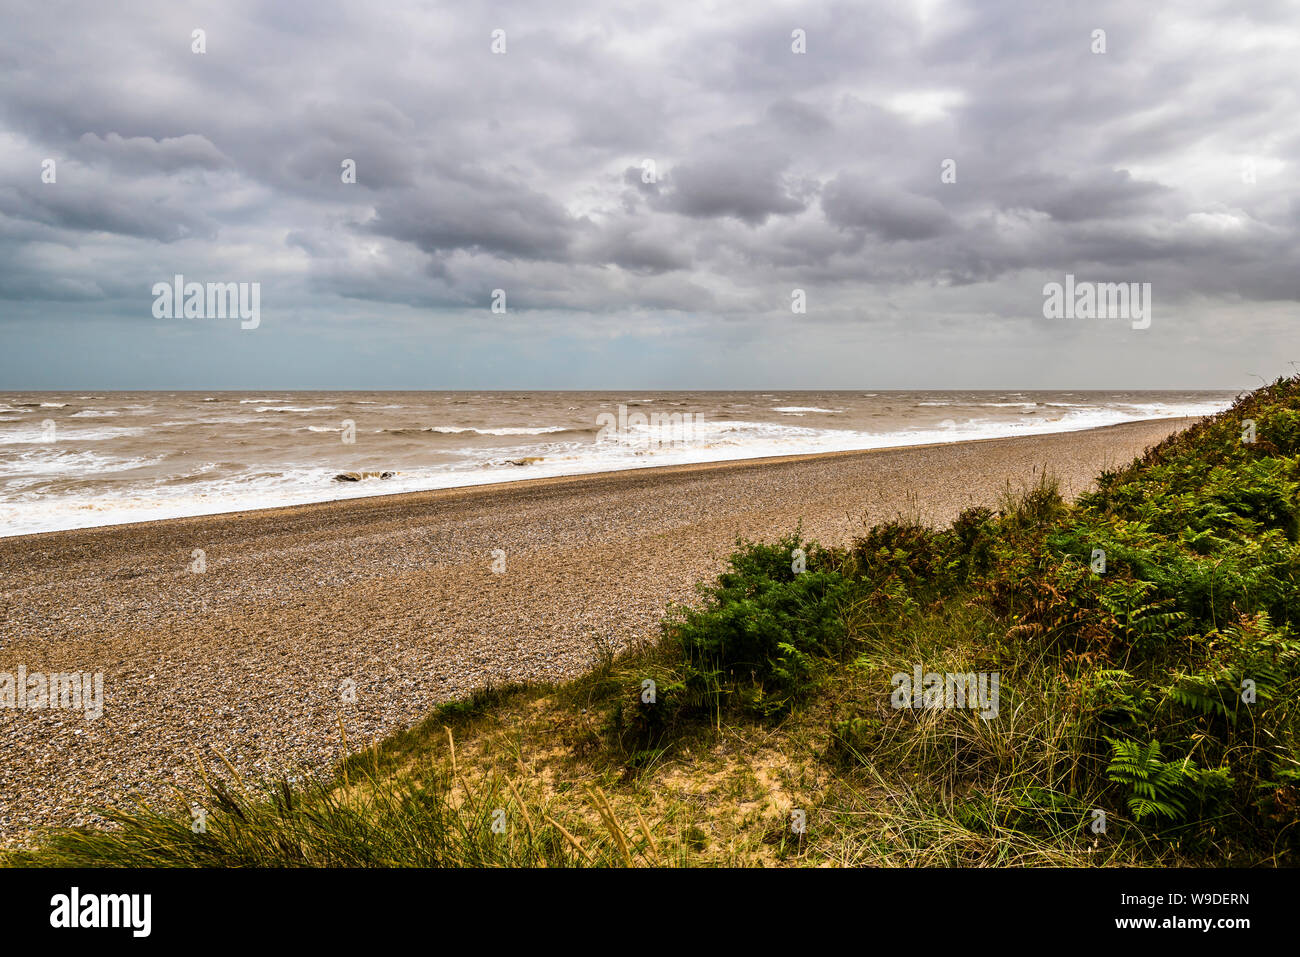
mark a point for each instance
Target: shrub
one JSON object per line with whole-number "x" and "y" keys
{"x": 763, "y": 626}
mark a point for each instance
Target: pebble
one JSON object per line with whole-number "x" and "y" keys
{"x": 373, "y": 611}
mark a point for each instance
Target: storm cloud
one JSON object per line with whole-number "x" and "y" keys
{"x": 648, "y": 185}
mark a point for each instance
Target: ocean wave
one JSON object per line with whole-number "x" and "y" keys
{"x": 540, "y": 430}
{"x": 64, "y": 464}
{"x": 296, "y": 408}
{"x": 214, "y": 420}
{"x": 34, "y": 435}
{"x": 267, "y": 461}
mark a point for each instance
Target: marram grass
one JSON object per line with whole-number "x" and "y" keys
{"x": 1147, "y": 710}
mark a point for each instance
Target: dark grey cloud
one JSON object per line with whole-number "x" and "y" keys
{"x": 144, "y": 154}
{"x": 748, "y": 187}
{"x": 1170, "y": 158}
{"x": 857, "y": 201}
{"x": 1095, "y": 195}
{"x": 95, "y": 209}
{"x": 475, "y": 215}
{"x": 637, "y": 250}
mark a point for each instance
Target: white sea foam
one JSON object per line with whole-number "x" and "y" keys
{"x": 541, "y": 430}
{"x": 295, "y": 408}
{"x": 33, "y": 434}
{"x": 185, "y": 458}
{"x": 58, "y": 463}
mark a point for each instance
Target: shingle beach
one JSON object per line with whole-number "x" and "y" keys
{"x": 411, "y": 600}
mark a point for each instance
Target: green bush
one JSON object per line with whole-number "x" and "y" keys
{"x": 1161, "y": 652}
{"x": 764, "y": 626}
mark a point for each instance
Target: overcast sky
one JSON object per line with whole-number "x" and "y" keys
{"x": 1169, "y": 159}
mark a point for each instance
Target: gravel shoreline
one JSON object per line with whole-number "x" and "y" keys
{"x": 396, "y": 599}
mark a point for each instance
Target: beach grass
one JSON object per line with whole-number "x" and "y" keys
{"x": 1144, "y": 639}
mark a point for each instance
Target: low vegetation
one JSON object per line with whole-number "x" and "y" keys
{"x": 1144, "y": 641}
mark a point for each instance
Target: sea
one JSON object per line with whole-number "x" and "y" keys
{"x": 82, "y": 459}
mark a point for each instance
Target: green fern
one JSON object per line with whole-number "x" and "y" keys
{"x": 1253, "y": 649}
{"x": 1165, "y": 789}
{"x": 1114, "y": 693}
{"x": 1205, "y": 694}
{"x": 1138, "y": 618}
{"x": 1153, "y": 784}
